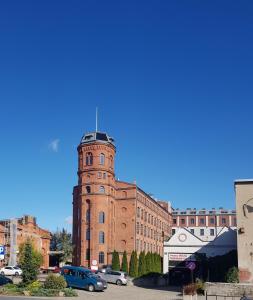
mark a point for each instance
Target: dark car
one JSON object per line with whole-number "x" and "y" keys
{"x": 4, "y": 280}
{"x": 79, "y": 277}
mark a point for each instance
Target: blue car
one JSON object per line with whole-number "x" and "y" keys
{"x": 79, "y": 277}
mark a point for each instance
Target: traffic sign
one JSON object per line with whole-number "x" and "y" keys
{"x": 190, "y": 265}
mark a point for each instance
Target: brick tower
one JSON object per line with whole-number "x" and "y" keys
{"x": 94, "y": 200}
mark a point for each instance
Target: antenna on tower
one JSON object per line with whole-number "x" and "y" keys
{"x": 96, "y": 119}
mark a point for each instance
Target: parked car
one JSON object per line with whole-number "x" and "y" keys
{"x": 11, "y": 270}
{"x": 105, "y": 268}
{"x": 79, "y": 277}
{"x": 117, "y": 277}
{"x": 4, "y": 280}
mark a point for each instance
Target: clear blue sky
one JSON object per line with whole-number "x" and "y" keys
{"x": 173, "y": 82}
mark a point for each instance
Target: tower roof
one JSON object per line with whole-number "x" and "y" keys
{"x": 97, "y": 136}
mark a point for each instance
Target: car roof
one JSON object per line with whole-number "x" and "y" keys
{"x": 76, "y": 268}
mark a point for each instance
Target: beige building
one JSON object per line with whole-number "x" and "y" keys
{"x": 244, "y": 208}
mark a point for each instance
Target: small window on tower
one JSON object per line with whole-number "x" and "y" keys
{"x": 101, "y": 189}
{"x": 101, "y": 159}
{"x": 104, "y": 175}
{"x": 88, "y": 189}
{"x": 89, "y": 159}
{"x": 99, "y": 174}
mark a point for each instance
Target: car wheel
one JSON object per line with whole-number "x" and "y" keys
{"x": 119, "y": 282}
{"x": 2, "y": 273}
{"x": 16, "y": 274}
{"x": 91, "y": 288}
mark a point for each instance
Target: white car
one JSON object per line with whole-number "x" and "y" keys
{"x": 10, "y": 270}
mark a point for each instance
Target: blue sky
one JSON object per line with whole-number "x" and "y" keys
{"x": 173, "y": 83}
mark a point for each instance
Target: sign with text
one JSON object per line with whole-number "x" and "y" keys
{"x": 1, "y": 252}
{"x": 181, "y": 256}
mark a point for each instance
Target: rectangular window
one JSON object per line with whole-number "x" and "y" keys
{"x": 202, "y": 232}
{"x": 192, "y": 231}
{"x": 212, "y": 232}
{"x": 174, "y": 221}
{"x": 223, "y": 221}
{"x": 192, "y": 221}
{"x": 173, "y": 231}
{"x": 212, "y": 221}
{"x": 202, "y": 221}
{"x": 182, "y": 221}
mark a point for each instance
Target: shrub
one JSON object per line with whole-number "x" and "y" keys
{"x": 190, "y": 289}
{"x": 115, "y": 261}
{"x": 36, "y": 285}
{"x": 70, "y": 293}
{"x": 133, "y": 266}
{"x": 200, "y": 287}
{"x": 124, "y": 267}
{"x": 232, "y": 275}
{"x": 142, "y": 264}
{"x": 55, "y": 282}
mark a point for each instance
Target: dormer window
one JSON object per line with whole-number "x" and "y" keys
{"x": 89, "y": 159}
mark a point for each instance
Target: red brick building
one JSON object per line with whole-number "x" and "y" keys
{"x": 26, "y": 227}
{"x": 109, "y": 214}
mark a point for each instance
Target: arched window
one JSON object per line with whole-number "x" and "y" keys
{"x": 87, "y": 234}
{"x": 101, "y": 237}
{"x": 124, "y": 194}
{"x": 101, "y": 217}
{"x": 111, "y": 161}
{"x": 101, "y": 159}
{"x": 89, "y": 159}
{"x": 101, "y": 258}
{"x": 88, "y": 215}
{"x": 88, "y": 189}
{"x": 101, "y": 189}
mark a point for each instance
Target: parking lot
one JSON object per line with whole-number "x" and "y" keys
{"x": 115, "y": 292}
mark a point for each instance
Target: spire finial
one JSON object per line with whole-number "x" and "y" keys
{"x": 96, "y": 119}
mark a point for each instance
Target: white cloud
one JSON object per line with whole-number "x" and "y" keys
{"x": 69, "y": 220}
{"x": 54, "y": 145}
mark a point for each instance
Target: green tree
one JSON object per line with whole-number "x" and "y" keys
{"x": 115, "y": 260}
{"x": 124, "y": 265}
{"x": 133, "y": 266}
{"x": 148, "y": 262}
{"x": 30, "y": 261}
{"x": 62, "y": 241}
{"x": 142, "y": 264}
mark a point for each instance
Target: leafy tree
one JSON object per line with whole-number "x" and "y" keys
{"x": 30, "y": 261}
{"x": 133, "y": 266}
{"x": 115, "y": 260}
{"x": 142, "y": 264}
{"x": 62, "y": 241}
{"x": 124, "y": 265}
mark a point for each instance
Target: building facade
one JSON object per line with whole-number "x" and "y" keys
{"x": 109, "y": 214}
{"x": 205, "y": 224}
{"x": 198, "y": 232}
{"x": 15, "y": 232}
{"x": 244, "y": 208}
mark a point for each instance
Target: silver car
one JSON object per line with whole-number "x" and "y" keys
{"x": 111, "y": 276}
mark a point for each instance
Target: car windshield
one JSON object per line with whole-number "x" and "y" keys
{"x": 91, "y": 274}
